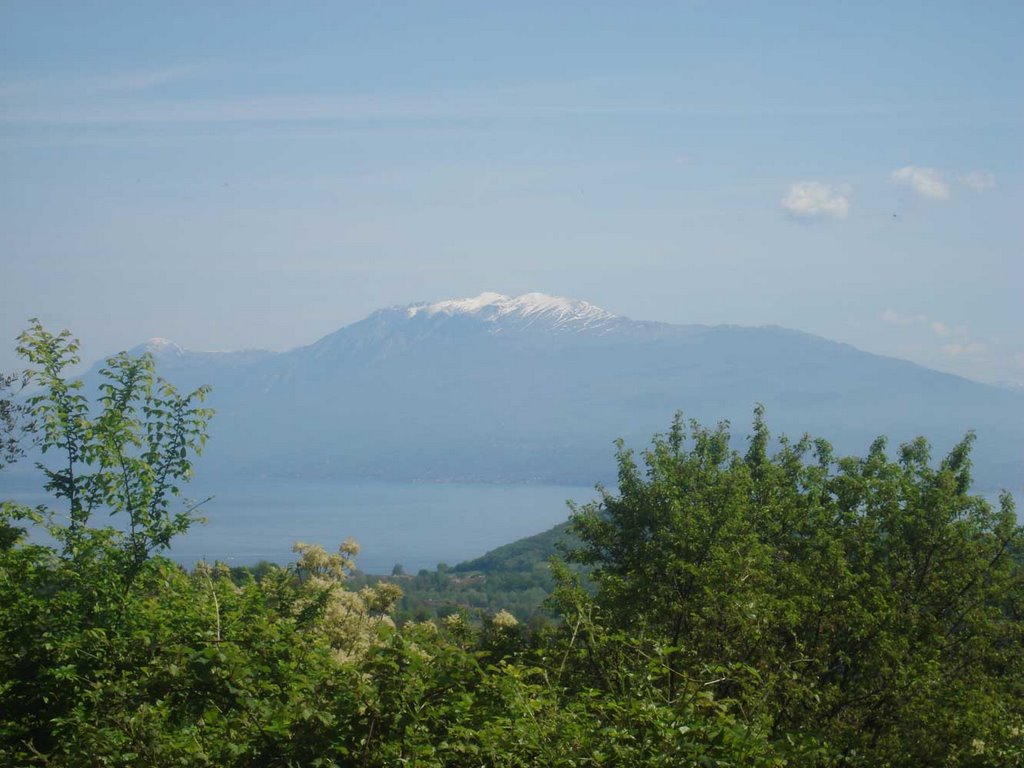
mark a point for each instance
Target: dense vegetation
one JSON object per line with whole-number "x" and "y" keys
{"x": 515, "y": 577}
{"x": 747, "y": 609}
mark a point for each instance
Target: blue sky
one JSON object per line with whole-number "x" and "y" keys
{"x": 259, "y": 174}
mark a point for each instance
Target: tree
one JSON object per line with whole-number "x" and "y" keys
{"x": 68, "y": 609}
{"x": 113, "y": 655}
{"x": 15, "y": 425}
{"x": 874, "y": 601}
{"x": 129, "y": 458}
{"x": 12, "y": 419}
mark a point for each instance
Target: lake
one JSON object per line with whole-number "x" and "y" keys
{"x": 415, "y": 524}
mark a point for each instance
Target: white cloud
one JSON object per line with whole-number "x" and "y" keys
{"x": 927, "y": 182}
{"x": 978, "y": 180}
{"x": 812, "y": 198}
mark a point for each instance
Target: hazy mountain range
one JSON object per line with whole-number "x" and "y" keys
{"x": 536, "y": 388}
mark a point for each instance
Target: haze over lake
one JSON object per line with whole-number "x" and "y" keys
{"x": 416, "y": 524}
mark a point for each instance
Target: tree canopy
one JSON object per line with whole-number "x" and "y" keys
{"x": 871, "y": 600}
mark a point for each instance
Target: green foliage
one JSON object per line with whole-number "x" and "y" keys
{"x": 12, "y": 419}
{"x": 65, "y": 606}
{"x": 127, "y": 459}
{"x": 523, "y": 555}
{"x": 436, "y": 594}
{"x": 874, "y": 602}
{"x": 516, "y": 577}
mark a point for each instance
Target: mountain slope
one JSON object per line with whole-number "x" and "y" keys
{"x": 536, "y": 388}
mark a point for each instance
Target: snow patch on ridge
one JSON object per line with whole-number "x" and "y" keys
{"x": 458, "y": 306}
{"x": 162, "y": 346}
{"x": 531, "y": 307}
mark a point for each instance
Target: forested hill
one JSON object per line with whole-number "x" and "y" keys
{"x": 516, "y": 577}
{"x": 535, "y": 388}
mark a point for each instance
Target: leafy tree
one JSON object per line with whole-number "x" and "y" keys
{"x": 15, "y": 426}
{"x": 112, "y": 655}
{"x": 13, "y": 418}
{"x": 874, "y": 602}
{"x": 127, "y": 459}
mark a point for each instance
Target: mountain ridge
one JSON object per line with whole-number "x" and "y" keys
{"x": 535, "y": 388}
{"x": 163, "y": 348}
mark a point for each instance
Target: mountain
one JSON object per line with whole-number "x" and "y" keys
{"x": 535, "y": 388}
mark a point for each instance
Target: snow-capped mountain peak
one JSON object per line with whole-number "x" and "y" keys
{"x": 160, "y": 347}
{"x": 560, "y": 312}
{"x": 458, "y": 306}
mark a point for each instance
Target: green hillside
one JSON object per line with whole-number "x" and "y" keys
{"x": 523, "y": 556}
{"x": 515, "y": 577}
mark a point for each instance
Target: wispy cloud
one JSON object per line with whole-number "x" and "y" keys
{"x": 937, "y": 328}
{"x": 926, "y": 182}
{"x": 953, "y": 348}
{"x": 969, "y": 349}
{"x": 954, "y": 341}
{"x": 979, "y": 181}
{"x": 285, "y": 108}
{"x": 256, "y": 110}
{"x": 810, "y": 199}
{"x": 892, "y": 317}
{"x": 33, "y": 90}
{"x": 121, "y": 98}
{"x": 1017, "y": 367}
{"x": 135, "y": 81}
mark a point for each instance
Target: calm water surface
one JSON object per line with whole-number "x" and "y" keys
{"x": 415, "y": 524}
